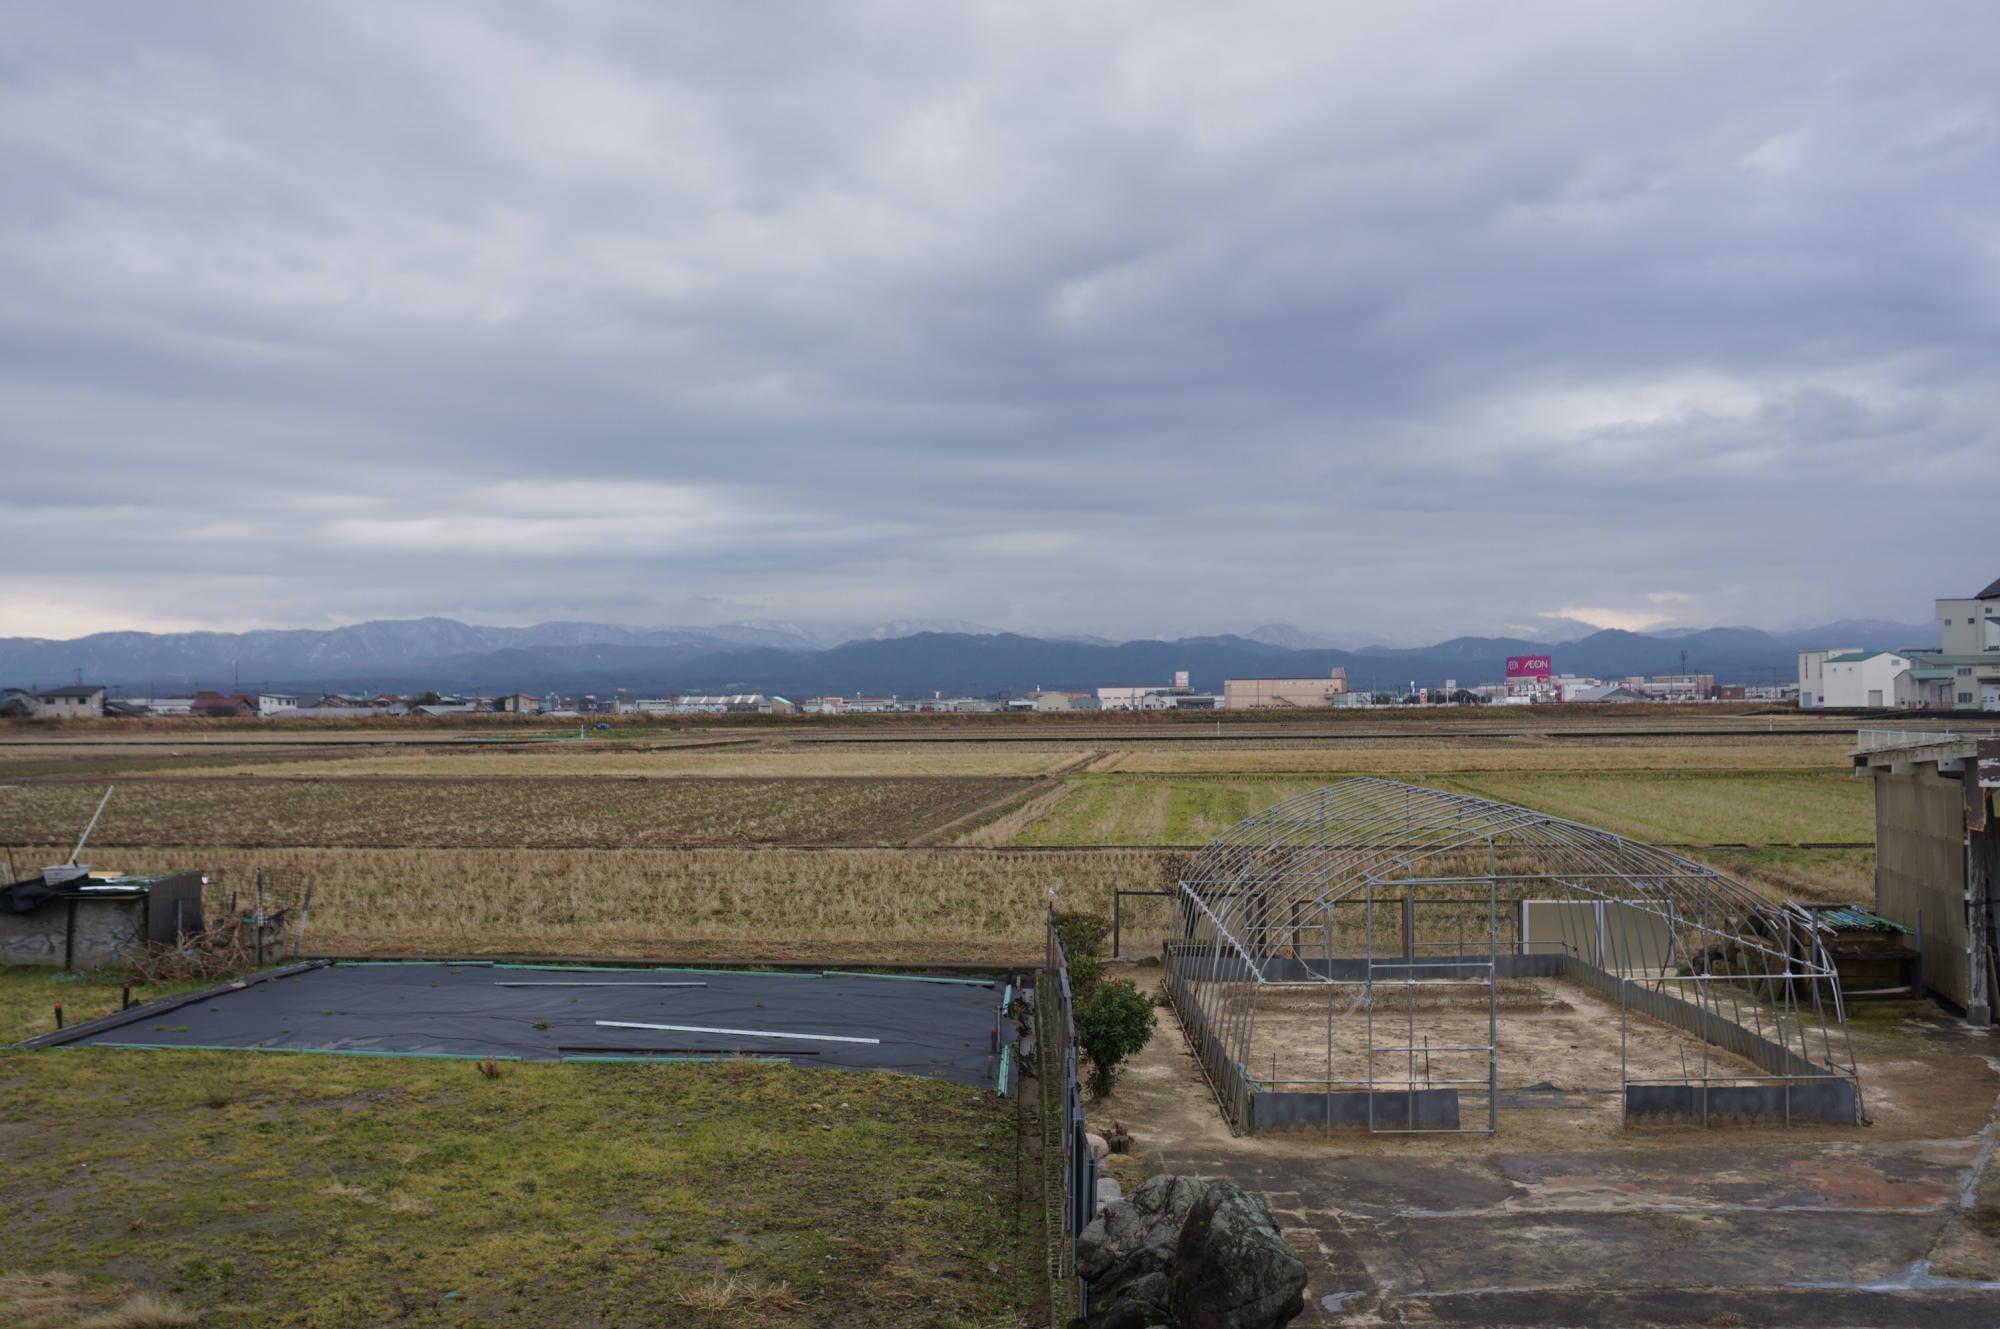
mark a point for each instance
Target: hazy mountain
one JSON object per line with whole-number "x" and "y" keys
{"x": 1556, "y": 631}
{"x": 1287, "y": 636}
{"x": 1868, "y": 634}
{"x": 305, "y": 657}
{"x": 910, "y": 627}
{"x": 435, "y": 652}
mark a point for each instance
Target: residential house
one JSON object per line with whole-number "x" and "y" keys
{"x": 75, "y": 703}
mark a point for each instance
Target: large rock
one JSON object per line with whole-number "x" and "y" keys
{"x": 1191, "y": 1254}
{"x": 1127, "y": 1254}
{"x": 1232, "y": 1267}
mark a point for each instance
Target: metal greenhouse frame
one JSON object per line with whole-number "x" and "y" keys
{"x": 1389, "y": 903}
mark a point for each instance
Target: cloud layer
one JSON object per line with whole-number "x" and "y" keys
{"x": 1148, "y": 318}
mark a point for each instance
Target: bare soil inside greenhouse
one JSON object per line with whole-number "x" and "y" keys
{"x": 1561, "y": 1046}
{"x": 1566, "y": 1215}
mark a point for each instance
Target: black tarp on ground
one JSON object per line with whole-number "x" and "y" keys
{"x": 944, "y": 1030}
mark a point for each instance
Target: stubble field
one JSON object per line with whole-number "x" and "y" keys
{"x": 883, "y": 845}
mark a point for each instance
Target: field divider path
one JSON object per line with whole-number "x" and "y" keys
{"x": 1001, "y": 806}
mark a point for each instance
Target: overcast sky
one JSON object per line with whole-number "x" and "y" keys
{"x": 1125, "y": 319}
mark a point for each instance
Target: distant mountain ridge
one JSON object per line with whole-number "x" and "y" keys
{"x": 414, "y": 654}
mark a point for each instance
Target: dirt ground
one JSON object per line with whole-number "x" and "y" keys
{"x": 1565, "y": 1216}
{"x": 1558, "y": 1040}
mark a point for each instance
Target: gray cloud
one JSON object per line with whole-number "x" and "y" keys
{"x": 1148, "y": 318}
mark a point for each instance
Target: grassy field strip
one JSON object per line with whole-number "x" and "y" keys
{"x": 336, "y": 1191}
{"x": 1678, "y": 808}
{"x": 1763, "y": 808}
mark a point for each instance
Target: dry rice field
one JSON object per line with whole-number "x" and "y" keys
{"x": 692, "y": 760}
{"x": 774, "y": 904}
{"x": 773, "y": 846}
{"x": 528, "y": 813}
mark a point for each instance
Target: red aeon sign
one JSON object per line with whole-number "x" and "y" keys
{"x": 1530, "y": 666}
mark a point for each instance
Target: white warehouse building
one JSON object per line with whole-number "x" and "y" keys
{"x": 1850, "y": 680}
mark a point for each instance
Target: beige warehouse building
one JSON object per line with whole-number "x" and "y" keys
{"x": 1253, "y": 694}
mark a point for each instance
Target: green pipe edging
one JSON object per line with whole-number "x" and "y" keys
{"x": 323, "y": 1052}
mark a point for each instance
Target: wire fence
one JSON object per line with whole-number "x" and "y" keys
{"x": 240, "y": 927}
{"x": 1069, "y": 1189}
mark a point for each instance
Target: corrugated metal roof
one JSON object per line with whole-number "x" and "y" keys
{"x": 1853, "y": 918}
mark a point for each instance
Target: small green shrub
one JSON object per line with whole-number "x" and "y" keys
{"x": 1112, "y": 1024}
{"x": 1082, "y": 937}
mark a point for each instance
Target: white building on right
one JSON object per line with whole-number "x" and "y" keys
{"x": 1854, "y": 680}
{"x": 1963, "y": 675}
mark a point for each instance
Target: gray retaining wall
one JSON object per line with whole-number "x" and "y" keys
{"x": 1436, "y": 1109}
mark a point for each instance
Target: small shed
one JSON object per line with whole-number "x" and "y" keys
{"x": 90, "y": 922}
{"x": 1872, "y": 954}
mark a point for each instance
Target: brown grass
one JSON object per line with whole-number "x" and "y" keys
{"x": 61, "y": 1301}
{"x": 494, "y": 813}
{"x": 779, "y": 904}
{"x": 1428, "y": 756}
{"x": 723, "y": 1293}
{"x": 646, "y": 761}
{"x": 1824, "y": 876}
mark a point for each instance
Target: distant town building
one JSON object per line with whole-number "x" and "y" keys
{"x": 1864, "y": 679}
{"x": 1255, "y": 694}
{"x": 1971, "y": 642}
{"x": 1616, "y": 693}
{"x": 1062, "y": 701}
{"x": 1148, "y": 696}
{"x": 161, "y": 705}
{"x": 85, "y": 701}
{"x": 1675, "y": 687}
{"x": 736, "y": 703}
{"x": 1963, "y": 676}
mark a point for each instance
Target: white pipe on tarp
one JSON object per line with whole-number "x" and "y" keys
{"x": 741, "y": 1033}
{"x": 600, "y": 985}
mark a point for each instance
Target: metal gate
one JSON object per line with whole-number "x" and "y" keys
{"x": 1407, "y": 997}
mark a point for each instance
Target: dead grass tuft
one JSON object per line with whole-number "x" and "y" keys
{"x": 725, "y": 1293}
{"x": 63, "y": 1301}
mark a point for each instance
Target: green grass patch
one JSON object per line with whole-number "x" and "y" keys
{"x": 1157, "y": 810}
{"x": 1696, "y": 808}
{"x": 330, "y": 1191}
{"x": 1704, "y": 807}
{"x": 29, "y": 996}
